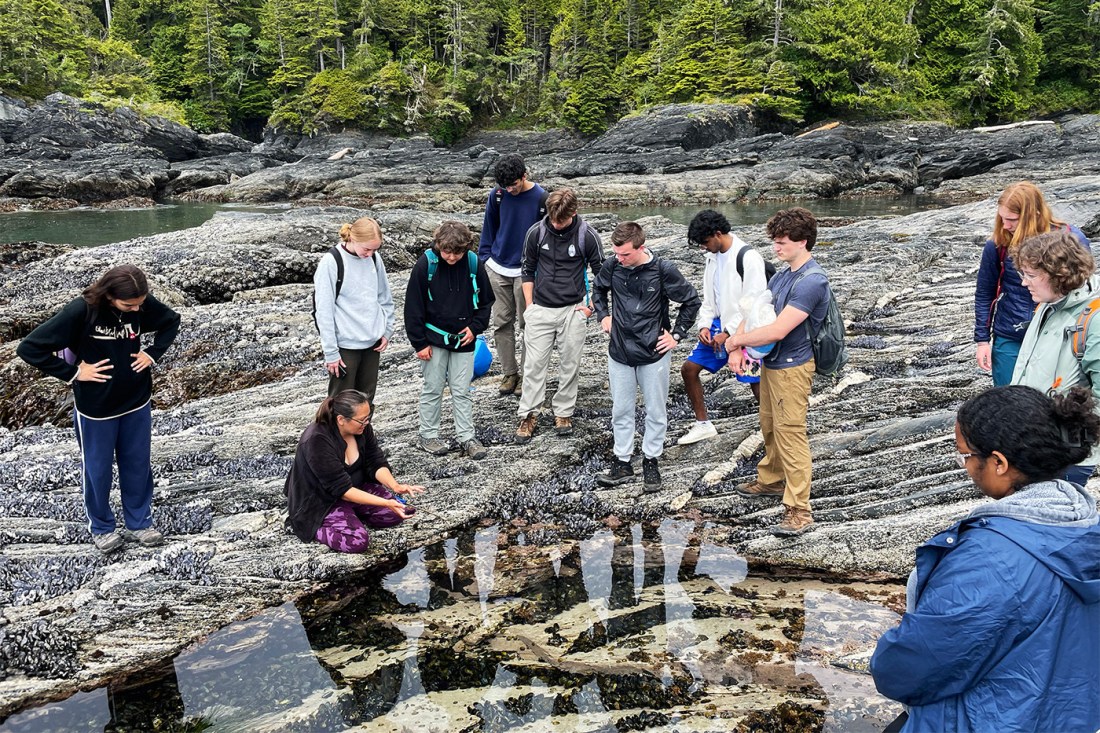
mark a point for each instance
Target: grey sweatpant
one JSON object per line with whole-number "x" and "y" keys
{"x": 653, "y": 381}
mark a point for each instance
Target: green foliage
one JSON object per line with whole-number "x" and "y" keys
{"x": 444, "y": 66}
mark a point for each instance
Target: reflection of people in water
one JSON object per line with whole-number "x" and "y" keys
{"x": 340, "y": 482}
{"x": 1003, "y": 626}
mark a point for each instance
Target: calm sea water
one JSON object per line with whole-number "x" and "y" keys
{"x": 86, "y": 227}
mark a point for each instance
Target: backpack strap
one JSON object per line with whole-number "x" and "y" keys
{"x": 741, "y": 262}
{"x": 1080, "y": 330}
{"x": 471, "y": 261}
{"x": 433, "y": 264}
{"x": 335, "y": 252}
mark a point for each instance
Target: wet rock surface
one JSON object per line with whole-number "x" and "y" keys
{"x": 245, "y": 378}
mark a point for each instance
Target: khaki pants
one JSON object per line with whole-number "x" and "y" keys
{"x": 543, "y": 328}
{"x": 784, "y": 401}
{"x": 508, "y": 309}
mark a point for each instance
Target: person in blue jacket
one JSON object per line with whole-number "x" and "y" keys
{"x": 1002, "y": 628}
{"x": 110, "y": 371}
{"x": 1002, "y": 305}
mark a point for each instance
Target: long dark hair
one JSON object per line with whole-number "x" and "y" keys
{"x": 124, "y": 282}
{"x": 343, "y": 404}
{"x": 1039, "y": 435}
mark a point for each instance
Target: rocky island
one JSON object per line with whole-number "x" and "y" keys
{"x": 244, "y": 377}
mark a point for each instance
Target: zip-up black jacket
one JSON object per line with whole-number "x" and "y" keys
{"x": 451, "y": 306}
{"x": 112, "y": 335}
{"x": 555, "y": 262}
{"x": 639, "y": 307}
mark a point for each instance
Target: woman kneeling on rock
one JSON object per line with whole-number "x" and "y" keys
{"x": 99, "y": 333}
{"x": 1002, "y": 626}
{"x": 340, "y": 482}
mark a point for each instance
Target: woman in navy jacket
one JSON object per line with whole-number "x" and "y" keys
{"x": 1002, "y": 305}
{"x": 1002, "y": 630}
{"x": 109, "y": 370}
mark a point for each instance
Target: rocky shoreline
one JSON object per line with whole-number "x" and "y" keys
{"x": 66, "y": 152}
{"x": 244, "y": 379}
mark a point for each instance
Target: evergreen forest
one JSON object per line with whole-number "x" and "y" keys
{"x": 447, "y": 66}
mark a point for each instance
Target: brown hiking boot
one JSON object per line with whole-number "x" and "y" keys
{"x": 563, "y": 425}
{"x": 795, "y": 522}
{"x": 518, "y": 392}
{"x": 756, "y": 488}
{"x": 509, "y": 383}
{"x": 527, "y": 427}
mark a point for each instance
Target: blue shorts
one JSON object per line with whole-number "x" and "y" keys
{"x": 713, "y": 359}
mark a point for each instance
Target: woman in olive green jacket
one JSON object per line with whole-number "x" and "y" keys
{"x": 1061, "y": 348}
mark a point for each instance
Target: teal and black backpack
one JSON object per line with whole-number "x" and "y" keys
{"x": 471, "y": 261}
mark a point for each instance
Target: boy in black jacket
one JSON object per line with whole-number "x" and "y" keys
{"x": 642, "y": 339}
{"x": 447, "y": 305}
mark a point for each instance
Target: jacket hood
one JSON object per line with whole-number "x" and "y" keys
{"x": 1082, "y": 295}
{"x": 1058, "y": 525}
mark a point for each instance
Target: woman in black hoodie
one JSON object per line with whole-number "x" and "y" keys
{"x": 99, "y": 334}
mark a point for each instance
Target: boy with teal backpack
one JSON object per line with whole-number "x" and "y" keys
{"x": 447, "y": 305}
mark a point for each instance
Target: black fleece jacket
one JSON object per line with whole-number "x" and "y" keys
{"x": 451, "y": 305}
{"x": 319, "y": 477}
{"x": 112, "y": 335}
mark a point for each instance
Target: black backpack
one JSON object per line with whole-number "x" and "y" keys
{"x": 830, "y": 354}
{"x": 335, "y": 252}
{"x": 769, "y": 268}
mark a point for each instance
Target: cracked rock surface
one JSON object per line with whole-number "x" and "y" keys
{"x": 244, "y": 379}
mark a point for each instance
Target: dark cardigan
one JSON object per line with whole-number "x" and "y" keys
{"x": 319, "y": 477}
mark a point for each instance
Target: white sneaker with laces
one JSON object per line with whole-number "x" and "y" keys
{"x": 699, "y": 431}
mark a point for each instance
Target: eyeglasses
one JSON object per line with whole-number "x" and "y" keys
{"x": 1028, "y": 275}
{"x": 365, "y": 422}
{"x": 960, "y": 458}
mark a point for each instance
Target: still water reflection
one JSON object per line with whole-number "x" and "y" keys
{"x": 643, "y": 628}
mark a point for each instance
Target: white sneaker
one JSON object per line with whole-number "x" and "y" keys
{"x": 699, "y": 431}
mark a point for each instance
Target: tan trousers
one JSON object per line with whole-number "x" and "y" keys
{"x": 508, "y": 311}
{"x": 543, "y": 328}
{"x": 784, "y": 401}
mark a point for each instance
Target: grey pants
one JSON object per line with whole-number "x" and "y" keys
{"x": 455, "y": 370}
{"x": 653, "y": 381}
{"x": 508, "y": 311}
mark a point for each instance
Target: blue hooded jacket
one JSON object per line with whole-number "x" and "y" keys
{"x": 1005, "y": 631}
{"x": 1006, "y": 312}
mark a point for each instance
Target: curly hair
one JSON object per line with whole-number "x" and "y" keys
{"x": 452, "y": 236}
{"x": 509, "y": 169}
{"x": 1039, "y": 435}
{"x": 1060, "y": 256}
{"x": 1026, "y": 201}
{"x": 795, "y": 224}
{"x": 705, "y": 225}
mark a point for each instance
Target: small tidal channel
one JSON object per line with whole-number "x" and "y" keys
{"x": 654, "y": 627}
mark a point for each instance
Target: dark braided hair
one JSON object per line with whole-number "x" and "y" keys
{"x": 1039, "y": 435}
{"x": 343, "y": 404}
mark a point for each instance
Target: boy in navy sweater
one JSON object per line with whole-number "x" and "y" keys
{"x": 447, "y": 305}
{"x": 514, "y": 205}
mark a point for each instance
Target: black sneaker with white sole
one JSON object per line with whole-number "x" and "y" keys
{"x": 619, "y": 473}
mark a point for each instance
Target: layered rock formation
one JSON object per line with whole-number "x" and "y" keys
{"x": 244, "y": 379}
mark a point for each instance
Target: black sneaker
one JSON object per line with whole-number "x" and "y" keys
{"x": 619, "y": 473}
{"x": 651, "y": 475}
